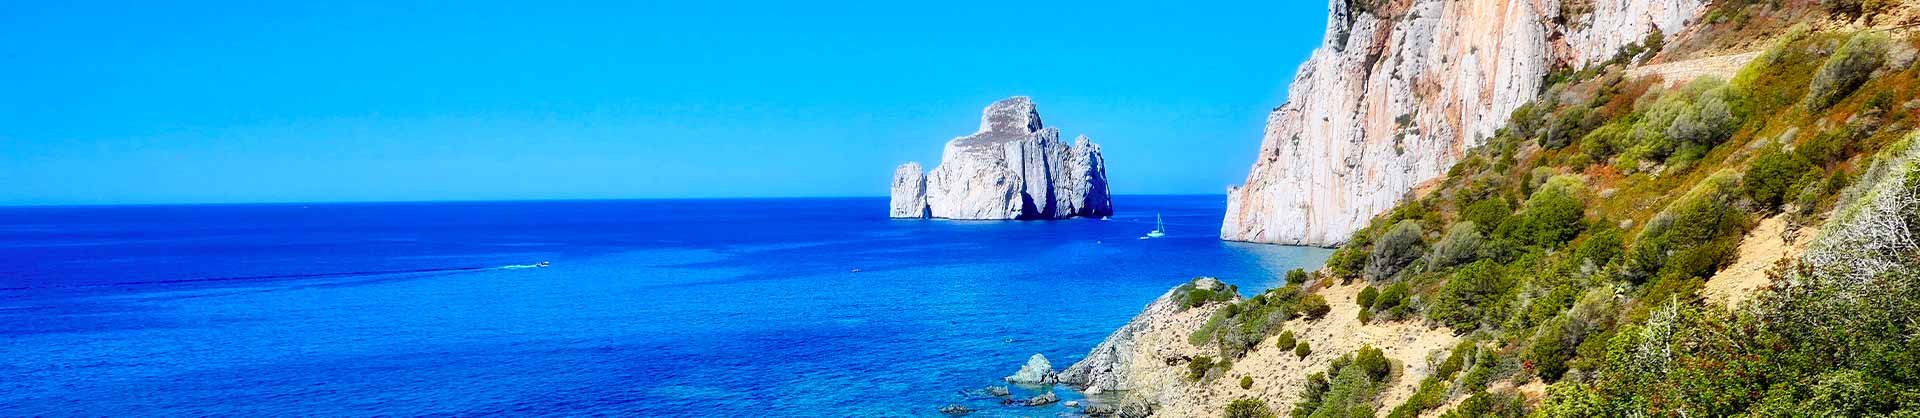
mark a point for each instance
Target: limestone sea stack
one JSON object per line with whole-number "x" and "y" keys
{"x": 1014, "y": 167}
{"x": 1398, "y": 91}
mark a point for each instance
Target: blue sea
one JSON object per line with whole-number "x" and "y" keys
{"x": 777, "y": 307}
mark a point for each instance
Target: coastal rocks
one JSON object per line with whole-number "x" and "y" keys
{"x": 1044, "y": 399}
{"x": 1112, "y": 365}
{"x": 956, "y": 410}
{"x": 1014, "y": 167}
{"x": 1037, "y": 372}
{"x": 909, "y": 192}
{"x": 1397, "y": 92}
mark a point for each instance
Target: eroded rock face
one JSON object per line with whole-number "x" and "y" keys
{"x": 1014, "y": 167}
{"x": 1390, "y": 100}
{"x": 909, "y": 192}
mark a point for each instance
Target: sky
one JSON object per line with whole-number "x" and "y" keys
{"x": 231, "y": 102}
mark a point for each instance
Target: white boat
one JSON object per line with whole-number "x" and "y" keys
{"x": 543, "y": 264}
{"x": 1159, "y": 228}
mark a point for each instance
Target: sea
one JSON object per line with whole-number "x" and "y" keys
{"x": 724, "y": 307}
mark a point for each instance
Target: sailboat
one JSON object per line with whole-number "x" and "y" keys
{"x": 1159, "y": 228}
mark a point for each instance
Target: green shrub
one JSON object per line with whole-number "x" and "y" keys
{"x": 1248, "y": 408}
{"x": 1314, "y": 307}
{"x": 1603, "y": 243}
{"x": 1246, "y": 382}
{"x": 1297, "y": 277}
{"x": 1487, "y": 214}
{"x": 1285, "y": 341}
{"x": 1303, "y": 350}
{"x": 1240, "y": 327}
{"x": 1400, "y": 245}
{"x": 1471, "y": 296}
{"x": 1553, "y": 215}
{"x": 1693, "y": 236}
{"x": 1460, "y": 244}
{"x": 1772, "y": 175}
{"x": 1484, "y": 404}
{"x": 1849, "y": 68}
{"x": 1358, "y": 379}
{"x": 1348, "y": 261}
{"x": 1197, "y": 367}
{"x": 1456, "y": 359}
{"x": 1365, "y": 316}
{"x": 1394, "y": 297}
{"x": 1366, "y": 297}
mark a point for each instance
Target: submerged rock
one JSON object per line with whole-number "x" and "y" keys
{"x": 1044, "y": 399}
{"x": 956, "y": 409}
{"x": 1012, "y": 168}
{"x": 1037, "y": 372}
{"x": 988, "y": 392}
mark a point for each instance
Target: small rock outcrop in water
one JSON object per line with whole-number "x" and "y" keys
{"x": 1044, "y": 399}
{"x": 956, "y": 410}
{"x": 1037, "y": 372}
{"x": 1012, "y": 168}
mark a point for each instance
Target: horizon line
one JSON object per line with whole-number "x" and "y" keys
{"x": 378, "y": 202}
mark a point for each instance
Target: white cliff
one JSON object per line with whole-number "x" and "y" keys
{"x": 1395, "y": 94}
{"x": 1012, "y": 168}
{"x": 909, "y": 192}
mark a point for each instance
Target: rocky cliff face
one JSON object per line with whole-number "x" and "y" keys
{"x": 1398, "y": 91}
{"x": 1012, "y": 168}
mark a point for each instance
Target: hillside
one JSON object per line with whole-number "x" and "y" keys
{"x": 1724, "y": 221}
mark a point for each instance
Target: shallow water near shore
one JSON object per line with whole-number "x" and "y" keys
{"x": 776, "y": 307}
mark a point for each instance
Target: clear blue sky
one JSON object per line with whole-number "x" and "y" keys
{"x": 143, "y": 102}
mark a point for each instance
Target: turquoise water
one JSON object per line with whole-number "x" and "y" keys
{"x": 650, "y": 308}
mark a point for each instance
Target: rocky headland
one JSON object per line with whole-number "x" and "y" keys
{"x": 1398, "y": 91}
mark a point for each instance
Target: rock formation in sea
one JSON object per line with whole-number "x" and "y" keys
{"x": 1397, "y": 91}
{"x": 1037, "y": 372}
{"x": 1012, "y": 168}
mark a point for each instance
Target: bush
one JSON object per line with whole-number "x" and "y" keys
{"x": 1471, "y": 296}
{"x": 1394, "y": 297}
{"x": 1197, "y": 367}
{"x": 1285, "y": 341}
{"x": 1772, "y": 175}
{"x": 1358, "y": 379}
{"x": 1692, "y": 237}
{"x": 1460, "y": 244}
{"x": 1246, "y": 382}
{"x": 1348, "y": 261}
{"x": 1366, "y": 297}
{"x": 1487, "y": 214}
{"x": 1314, "y": 307}
{"x": 1602, "y": 245}
{"x": 1849, "y": 68}
{"x": 1553, "y": 214}
{"x": 1399, "y": 246}
{"x": 1297, "y": 277}
{"x": 1303, "y": 350}
{"x": 1248, "y": 408}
